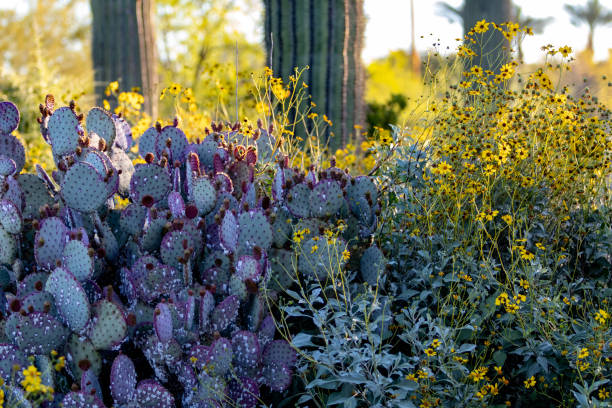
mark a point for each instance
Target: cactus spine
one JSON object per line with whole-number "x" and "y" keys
{"x": 327, "y": 36}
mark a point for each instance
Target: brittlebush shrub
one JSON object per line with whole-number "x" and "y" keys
{"x": 498, "y": 228}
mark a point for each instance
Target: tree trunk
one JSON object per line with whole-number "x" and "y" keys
{"x": 496, "y": 50}
{"x": 327, "y": 36}
{"x": 123, "y": 48}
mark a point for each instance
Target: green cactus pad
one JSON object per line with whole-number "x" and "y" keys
{"x": 101, "y": 123}
{"x": 108, "y": 241}
{"x": 228, "y": 232}
{"x": 298, "y": 200}
{"x": 79, "y": 349}
{"x": 372, "y": 265}
{"x": 108, "y": 327}
{"x": 10, "y": 355}
{"x": 281, "y": 264}
{"x": 266, "y": 144}
{"x": 70, "y": 298}
{"x": 77, "y": 260}
{"x": 238, "y": 288}
{"x": 150, "y": 394}
{"x": 211, "y": 389}
{"x": 281, "y": 227}
{"x": 153, "y": 234}
{"x": 63, "y": 131}
{"x": 38, "y": 302}
{"x": 39, "y": 333}
{"x": 124, "y": 165}
{"x": 30, "y": 283}
{"x": 49, "y": 242}
{"x": 7, "y": 166}
{"x": 81, "y": 400}
{"x": 8, "y": 248}
{"x": 10, "y": 217}
{"x": 9, "y": 117}
{"x": 220, "y": 356}
{"x": 279, "y": 352}
{"x": 83, "y": 188}
{"x": 173, "y": 247}
{"x": 133, "y": 218}
{"x": 266, "y": 331}
{"x": 248, "y": 267}
{"x": 11, "y": 147}
{"x": 255, "y": 308}
{"x": 277, "y": 376}
{"x": 221, "y": 198}
{"x": 147, "y": 142}
{"x": 207, "y": 305}
{"x": 240, "y": 172}
{"x": 122, "y": 379}
{"x": 225, "y": 313}
{"x": 36, "y": 194}
{"x": 104, "y": 166}
{"x": 204, "y": 194}
{"x": 178, "y": 142}
{"x": 326, "y": 198}
{"x": 11, "y": 326}
{"x": 163, "y": 322}
{"x": 320, "y": 256}
{"x": 308, "y": 227}
{"x": 246, "y": 349}
{"x": 151, "y": 180}
{"x": 11, "y": 191}
{"x": 361, "y": 186}
{"x": 206, "y": 151}
{"x": 255, "y": 230}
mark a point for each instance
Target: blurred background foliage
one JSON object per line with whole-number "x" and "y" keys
{"x": 46, "y": 48}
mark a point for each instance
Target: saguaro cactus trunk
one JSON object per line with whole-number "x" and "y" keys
{"x": 123, "y": 47}
{"x": 496, "y": 48}
{"x": 326, "y": 35}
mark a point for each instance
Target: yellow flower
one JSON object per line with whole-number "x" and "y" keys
{"x": 32, "y": 381}
{"x": 583, "y": 353}
{"x": 345, "y": 255}
{"x": 524, "y": 284}
{"x": 61, "y": 363}
{"x": 478, "y": 374}
{"x": 174, "y": 88}
{"x": 506, "y": 71}
{"x": 314, "y": 249}
{"x": 435, "y": 343}
{"x": 530, "y": 382}
{"x": 481, "y": 27}
{"x": 442, "y": 168}
{"x": 476, "y": 70}
{"x": 507, "y": 218}
{"x": 565, "y": 51}
{"x": 111, "y": 88}
{"x": 430, "y": 352}
{"x": 601, "y": 316}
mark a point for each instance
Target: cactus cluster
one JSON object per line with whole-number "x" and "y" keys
{"x": 180, "y": 273}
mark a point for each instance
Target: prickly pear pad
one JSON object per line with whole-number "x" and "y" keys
{"x": 63, "y": 131}
{"x": 70, "y": 298}
{"x": 83, "y": 188}
{"x": 9, "y": 117}
{"x": 101, "y": 123}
